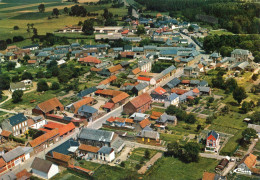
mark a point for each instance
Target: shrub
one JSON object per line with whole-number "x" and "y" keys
{"x": 16, "y": 27}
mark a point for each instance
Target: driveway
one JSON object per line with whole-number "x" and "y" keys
{"x": 123, "y": 155}
{"x": 150, "y": 163}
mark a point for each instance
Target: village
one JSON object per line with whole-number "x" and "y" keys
{"x": 126, "y": 105}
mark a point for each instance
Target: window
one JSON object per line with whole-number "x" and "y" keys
{"x": 19, "y": 125}
{"x": 25, "y": 123}
{"x": 22, "y": 123}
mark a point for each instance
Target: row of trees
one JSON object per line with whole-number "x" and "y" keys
{"x": 4, "y": 43}
{"x": 181, "y": 114}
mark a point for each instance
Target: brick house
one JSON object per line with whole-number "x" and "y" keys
{"x": 14, "y": 158}
{"x": 16, "y": 124}
{"x": 73, "y": 108}
{"x": 48, "y": 107}
{"x": 44, "y": 141}
{"x": 139, "y": 104}
{"x": 212, "y": 142}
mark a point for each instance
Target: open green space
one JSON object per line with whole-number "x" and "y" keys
{"x": 172, "y": 168}
{"x": 67, "y": 175}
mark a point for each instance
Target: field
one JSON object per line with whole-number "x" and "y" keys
{"x": 171, "y": 168}
{"x": 220, "y": 32}
{"x": 20, "y": 13}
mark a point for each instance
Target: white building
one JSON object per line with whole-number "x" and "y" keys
{"x": 44, "y": 169}
{"x": 106, "y": 154}
{"x": 39, "y": 122}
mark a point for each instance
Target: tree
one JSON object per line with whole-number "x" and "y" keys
{"x": 110, "y": 22}
{"x": 88, "y": 28}
{"x": 26, "y": 58}
{"x": 66, "y": 10}
{"x": 41, "y": 8}
{"x": 255, "y": 77}
{"x": 16, "y": 27}
{"x": 17, "y": 96}
{"x": 249, "y": 133}
{"x": 239, "y": 94}
{"x": 147, "y": 154}
{"x": 225, "y": 109}
{"x": 190, "y": 28}
{"x": 27, "y": 75}
{"x": 55, "y": 86}
{"x": 55, "y": 12}
{"x": 4, "y": 81}
{"x": 173, "y": 149}
{"x": 255, "y": 117}
{"x": 3, "y": 45}
{"x": 130, "y": 10}
{"x": 190, "y": 118}
{"x": 245, "y": 107}
{"x": 15, "y": 78}
{"x": 140, "y": 30}
{"x": 107, "y": 14}
{"x": 211, "y": 99}
{"x": 42, "y": 86}
{"x": 64, "y": 76}
{"x": 10, "y": 66}
{"x": 190, "y": 152}
{"x": 40, "y": 74}
{"x": 231, "y": 85}
{"x": 1, "y": 94}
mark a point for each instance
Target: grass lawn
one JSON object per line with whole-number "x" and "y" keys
{"x": 138, "y": 153}
{"x": 172, "y": 168}
{"x": 220, "y": 32}
{"x": 89, "y": 165}
{"x": 67, "y": 175}
{"x": 155, "y": 109}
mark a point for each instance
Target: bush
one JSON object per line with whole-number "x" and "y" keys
{"x": 138, "y": 166}
{"x": 16, "y": 27}
{"x": 55, "y": 86}
{"x": 42, "y": 86}
{"x": 19, "y": 140}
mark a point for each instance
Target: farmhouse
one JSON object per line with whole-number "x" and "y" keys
{"x": 139, "y": 104}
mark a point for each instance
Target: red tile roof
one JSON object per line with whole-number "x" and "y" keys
{"x": 95, "y": 69}
{"x": 155, "y": 115}
{"x": 125, "y": 54}
{"x": 200, "y": 66}
{"x": 208, "y": 176}
{"x": 185, "y": 81}
{"x": 136, "y": 71}
{"x": 190, "y": 97}
{"x": 109, "y": 105}
{"x": 53, "y": 125}
{"x": 22, "y": 175}
{"x": 250, "y": 160}
{"x": 178, "y": 91}
{"x": 6, "y": 133}
{"x": 108, "y": 92}
{"x": 144, "y": 123}
{"x": 90, "y": 59}
{"x": 2, "y": 162}
{"x": 144, "y": 78}
{"x": 120, "y": 97}
{"x": 141, "y": 100}
{"x": 41, "y": 139}
{"x": 62, "y": 157}
{"x": 115, "y": 68}
{"x": 160, "y": 90}
{"x": 88, "y": 148}
{"x": 125, "y": 31}
{"x": 108, "y": 80}
{"x": 31, "y": 61}
{"x": 85, "y": 101}
{"x": 67, "y": 128}
{"x": 30, "y": 122}
{"x": 50, "y": 105}
{"x": 45, "y": 130}
{"x": 196, "y": 90}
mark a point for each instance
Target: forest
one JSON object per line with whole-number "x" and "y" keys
{"x": 234, "y": 16}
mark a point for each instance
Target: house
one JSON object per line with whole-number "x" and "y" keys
{"x": 212, "y": 142}
{"x": 15, "y": 157}
{"x": 138, "y": 117}
{"x": 115, "y": 69}
{"x": 120, "y": 99}
{"x": 155, "y": 115}
{"x": 172, "y": 83}
{"x": 44, "y": 141}
{"x": 73, "y": 108}
{"x": 204, "y": 90}
{"x": 87, "y": 112}
{"x": 90, "y": 60}
{"x": 106, "y": 154}
{"x": 203, "y": 83}
{"x": 12, "y": 48}
{"x": 108, "y": 29}
{"x": 148, "y": 136}
{"x": 97, "y": 138}
{"x": 172, "y": 99}
{"x": 166, "y": 119}
{"x": 222, "y": 164}
{"x": 4, "y": 136}
{"x": 145, "y": 65}
{"x": 212, "y": 176}
{"x": 242, "y": 55}
{"x": 88, "y": 152}
{"x": 16, "y": 124}
{"x": 17, "y": 86}
{"x": 216, "y": 57}
{"x": 144, "y": 123}
{"x": 48, "y": 107}
{"x": 61, "y": 155}
{"x": 66, "y": 130}
{"x": 139, "y": 104}
{"x": 43, "y": 168}
{"x": 23, "y": 175}
{"x": 109, "y": 106}
{"x": 247, "y": 165}
{"x": 108, "y": 80}
{"x": 32, "y": 47}
{"x": 159, "y": 94}
{"x": 140, "y": 88}
{"x": 37, "y": 122}
{"x": 127, "y": 54}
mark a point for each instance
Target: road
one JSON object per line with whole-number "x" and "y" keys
{"x": 191, "y": 41}
{"x": 214, "y": 156}
{"x": 28, "y": 162}
{"x": 98, "y": 123}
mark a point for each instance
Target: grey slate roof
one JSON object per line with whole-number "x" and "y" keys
{"x": 168, "y": 70}
{"x": 165, "y": 117}
{"x": 105, "y": 150}
{"x": 41, "y": 165}
{"x": 14, "y": 153}
{"x": 174, "y": 82}
{"x": 63, "y": 148}
{"x": 203, "y": 83}
{"x": 194, "y": 82}
{"x": 96, "y": 135}
{"x": 17, "y": 119}
{"x": 240, "y": 52}
{"x": 149, "y": 134}
{"x": 87, "y": 109}
{"x": 141, "y": 86}
{"x": 17, "y": 85}
{"x": 172, "y": 96}
{"x": 204, "y": 89}
{"x": 87, "y": 92}
{"x": 8, "y": 176}
{"x": 117, "y": 143}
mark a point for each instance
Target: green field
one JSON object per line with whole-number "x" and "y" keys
{"x": 172, "y": 168}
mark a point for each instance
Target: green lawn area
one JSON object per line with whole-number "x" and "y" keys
{"x": 155, "y": 109}
{"x": 89, "y": 165}
{"x": 68, "y": 175}
{"x": 138, "y": 153}
{"x": 172, "y": 168}
{"x": 220, "y": 32}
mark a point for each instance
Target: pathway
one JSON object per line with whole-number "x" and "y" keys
{"x": 139, "y": 145}
{"x": 150, "y": 163}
